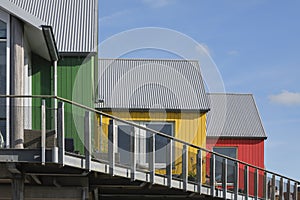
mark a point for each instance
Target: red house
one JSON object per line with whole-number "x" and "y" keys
{"x": 235, "y": 129}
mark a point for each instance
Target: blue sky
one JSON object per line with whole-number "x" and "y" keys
{"x": 254, "y": 44}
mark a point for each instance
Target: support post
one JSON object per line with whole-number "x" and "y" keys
{"x": 199, "y": 171}
{"x": 288, "y": 189}
{"x": 17, "y": 187}
{"x": 17, "y": 82}
{"x": 43, "y": 132}
{"x": 169, "y": 162}
{"x": 87, "y": 140}
{"x": 54, "y": 148}
{"x": 266, "y": 186}
{"x": 61, "y": 133}
{"x": 212, "y": 174}
{"x": 133, "y": 153}
{"x": 112, "y": 132}
{"x": 152, "y": 158}
{"x": 224, "y": 177}
{"x": 185, "y": 166}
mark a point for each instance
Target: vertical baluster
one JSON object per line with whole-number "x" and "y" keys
{"x": 212, "y": 174}
{"x": 199, "y": 171}
{"x": 281, "y": 189}
{"x": 246, "y": 182}
{"x": 224, "y": 177}
{"x": 236, "y": 180}
{"x": 133, "y": 153}
{"x": 43, "y": 132}
{"x": 112, "y": 132}
{"x": 61, "y": 133}
{"x": 295, "y": 191}
{"x": 185, "y": 166}
{"x": 87, "y": 140}
{"x": 152, "y": 158}
{"x": 273, "y": 187}
{"x": 256, "y": 183}
{"x": 288, "y": 189}
{"x": 169, "y": 162}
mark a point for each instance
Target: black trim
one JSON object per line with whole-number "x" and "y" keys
{"x": 50, "y": 41}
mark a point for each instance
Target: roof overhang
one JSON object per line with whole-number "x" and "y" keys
{"x": 40, "y": 37}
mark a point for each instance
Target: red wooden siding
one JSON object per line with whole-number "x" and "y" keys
{"x": 248, "y": 150}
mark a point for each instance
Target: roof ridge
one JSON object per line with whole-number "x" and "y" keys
{"x": 150, "y": 59}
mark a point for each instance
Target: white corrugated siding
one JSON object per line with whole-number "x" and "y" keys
{"x": 151, "y": 84}
{"x": 74, "y": 22}
{"x": 234, "y": 115}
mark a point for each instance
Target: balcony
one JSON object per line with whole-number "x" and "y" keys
{"x": 51, "y": 137}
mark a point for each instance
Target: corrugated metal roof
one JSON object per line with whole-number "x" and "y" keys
{"x": 234, "y": 115}
{"x": 74, "y": 22}
{"x": 151, "y": 84}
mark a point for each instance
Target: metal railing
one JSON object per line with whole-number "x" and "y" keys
{"x": 96, "y": 135}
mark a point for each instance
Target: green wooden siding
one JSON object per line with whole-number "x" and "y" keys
{"x": 76, "y": 82}
{"x": 42, "y": 84}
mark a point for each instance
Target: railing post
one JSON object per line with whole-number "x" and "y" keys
{"x": 169, "y": 162}
{"x": 43, "y": 132}
{"x": 256, "y": 184}
{"x": 87, "y": 140}
{"x": 185, "y": 166}
{"x": 112, "y": 132}
{"x": 152, "y": 158}
{"x": 266, "y": 185}
{"x": 273, "y": 187}
{"x": 199, "y": 171}
{"x": 281, "y": 189}
{"x": 133, "y": 153}
{"x": 224, "y": 177}
{"x": 212, "y": 174}
{"x": 61, "y": 133}
{"x": 295, "y": 191}
{"x": 236, "y": 180}
{"x": 246, "y": 182}
{"x": 288, "y": 189}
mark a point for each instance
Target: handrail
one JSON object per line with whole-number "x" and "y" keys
{"x": 146, "y": 129}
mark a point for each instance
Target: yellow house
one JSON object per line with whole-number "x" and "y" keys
{"x": 165, "y": 95}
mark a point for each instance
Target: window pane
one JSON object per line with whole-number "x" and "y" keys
{"x": 160, "y": 142}
{"x": 2, "y": 30}
{"x": 3, "y": 89}
{"x": 124, "y": 133}
{"x": 230, "y": 152}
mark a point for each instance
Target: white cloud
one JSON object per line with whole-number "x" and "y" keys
{"x": 113, "y": 16}
{"x": 286, "y": 98}
{"x": 158, "y": 3}
{"x": 233, "y": 52}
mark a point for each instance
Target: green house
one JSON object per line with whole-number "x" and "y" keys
{"x": 46, "y": 48}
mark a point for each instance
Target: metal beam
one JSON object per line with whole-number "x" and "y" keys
{"x": 17, "y": 187}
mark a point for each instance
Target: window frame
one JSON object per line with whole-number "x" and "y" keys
{"x": 5, "y": 17}
{"x": 228, "y": 162}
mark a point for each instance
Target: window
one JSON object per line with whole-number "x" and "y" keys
{"x": 230, "y": 152}
{"x": 143, "y": 142}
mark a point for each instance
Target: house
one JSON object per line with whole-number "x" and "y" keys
{"x": 47, "y": 50}
{"x": 235, "y": 129}
{"x": 164, "y": 95}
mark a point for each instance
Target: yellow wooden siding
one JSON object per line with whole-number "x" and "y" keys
{"x": 188, "y": 126}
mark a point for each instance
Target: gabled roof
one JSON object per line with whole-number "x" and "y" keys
{"x": 234, "y": 115}
{"x": 74, "y": 22}
{"x": 142, "y": 84}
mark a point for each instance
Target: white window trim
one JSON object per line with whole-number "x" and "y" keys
{"x": 5, "y": 17}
